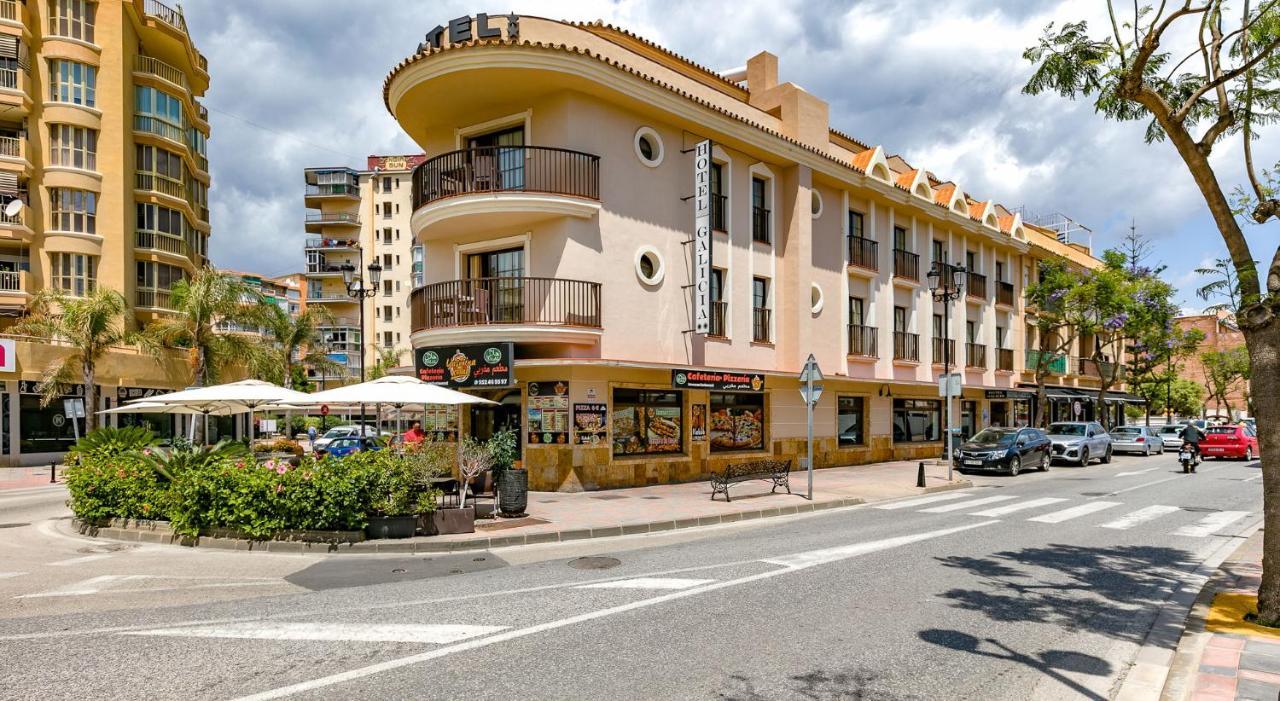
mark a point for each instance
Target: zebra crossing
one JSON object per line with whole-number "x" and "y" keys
{"x": 971, "y": 504}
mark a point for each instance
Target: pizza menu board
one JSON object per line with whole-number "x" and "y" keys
{"x": 440, "y": 422}
{"x": 547, "y": 413}
{"x": 588, "y": 424}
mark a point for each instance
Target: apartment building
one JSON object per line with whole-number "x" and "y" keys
{"x": 102, "y": 142}
{"x": 1220, "y": 334}
{"x": 362, "y": 217}
{"x": 556, "y": 212}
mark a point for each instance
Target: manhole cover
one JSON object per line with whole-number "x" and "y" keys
{"x": 13, "y": 525}
{"x": 594, "y": 563}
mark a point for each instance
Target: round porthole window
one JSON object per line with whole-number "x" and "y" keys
{"x": 649, "y": 266}
{"x": 815, "y": 298}
{"x": 815, "y": 204}
{"x": 648, "y": 147}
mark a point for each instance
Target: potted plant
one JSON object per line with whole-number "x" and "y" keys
{"x": 513, "y": 480}
{"x": 431, "y": 464}
{"x": 393, "y": 508}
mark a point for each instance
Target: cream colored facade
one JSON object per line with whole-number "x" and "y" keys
{"x": 102, "y": 138}
{"x": 553, "y": 212}
{"x": 360, "y": 216}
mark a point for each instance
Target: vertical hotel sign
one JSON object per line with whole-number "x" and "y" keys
{"x": 702, "y": 237}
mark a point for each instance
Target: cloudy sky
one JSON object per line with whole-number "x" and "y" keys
{"x": 297, "y": 83}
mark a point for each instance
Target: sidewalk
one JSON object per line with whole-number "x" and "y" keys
{"x": 1221, "y": 657}
{"x": 562, "y": 516}
{"x": 23, "y": 477}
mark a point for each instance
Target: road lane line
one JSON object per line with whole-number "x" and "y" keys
{"x": 812, "y": 557}
{"x": 7, "y": 575}
{"x": 966, "y": 504}
{"x": 649, "y": 583}
{"x": 1143, "y": 515}
{"x": 85, "y": 587}
{"x": 908, "y": 503}
{"x": 1135, "y": 472}
{"x": 1211, "y": 524}
{"x": 1019, "y": 506}
{"x": 1252, "y": 479}
{"x": 431, "y": 633}
{"x": 1075, "y": 512}
{"x": 80, "y": 560}
{"x": 1159, "y": 481}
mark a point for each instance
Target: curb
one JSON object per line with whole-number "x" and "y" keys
{"x": 1162, "y": 662}
{"x": 372, "y": 547}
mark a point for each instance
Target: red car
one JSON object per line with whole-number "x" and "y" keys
{"x": 1229, "y": 442}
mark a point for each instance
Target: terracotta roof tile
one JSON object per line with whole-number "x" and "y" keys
{"x": 905, "y": 180}
{"x": 862, "y": 159}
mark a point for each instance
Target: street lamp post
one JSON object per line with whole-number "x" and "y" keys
{"x": 357, "y": 290}
{"x": 946, "y": 282}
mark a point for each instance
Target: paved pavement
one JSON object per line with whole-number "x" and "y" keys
{"x": 1041, "y": 586}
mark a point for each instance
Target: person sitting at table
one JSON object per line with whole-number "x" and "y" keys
{"x": 414, "y": 434}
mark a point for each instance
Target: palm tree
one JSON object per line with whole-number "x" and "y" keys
{"x": 201, "y": 302}
{"x": 89, "y": 326}
{"x": 296, "y": 340}
{"x": 388, "y": 358}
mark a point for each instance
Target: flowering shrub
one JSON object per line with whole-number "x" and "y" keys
{"x": 224, "y": 487}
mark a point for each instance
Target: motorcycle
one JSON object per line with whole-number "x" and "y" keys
{"x": 1189, "y": 458}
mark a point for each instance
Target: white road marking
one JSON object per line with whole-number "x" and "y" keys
{"x": 841, "y": 552}
{"x": 907, "y": 504}
{"x": 433, "y": 633}
{"x": 80, "y": 560}
{"x": 966, "y": 504}
{"x": 1075, "y": 512}
{"x": 84, "y": 587}
{"x": 97, "y": 585}
{"x": 1019, "y": 506}
{"x": 1140, "y": 516}
{"x": 1136, "y": 472}
{"x": 830, "y": 556}
{"x": 1252, "y": 479}
{"x": 649, "y": 583}
{"x": 7, "y": 575}
{"x": 1211, "y": 524}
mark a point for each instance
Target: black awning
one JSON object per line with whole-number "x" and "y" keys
{"x": 1066, "y": 393}
{"x": 1125, "y": 397}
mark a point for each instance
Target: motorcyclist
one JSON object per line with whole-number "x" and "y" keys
{"x": 1191, "y": 437}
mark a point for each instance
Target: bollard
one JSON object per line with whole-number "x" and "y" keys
{"x": 920, "y": 476}
{"x": 53, "y": 472}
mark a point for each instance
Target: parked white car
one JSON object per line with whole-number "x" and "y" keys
{"x": 1171, "y": 436}
{"x": 1136, "y": 439}
{"x": 342, "y": 432}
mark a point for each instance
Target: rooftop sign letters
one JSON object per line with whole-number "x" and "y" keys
{"x": 480, "y": 365}
{"x": 465, "y": 29}
{"x": 716, "y": 380}
{"x": 702, "y": 237}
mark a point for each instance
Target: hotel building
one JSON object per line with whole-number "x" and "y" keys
{"x": 555, "y": 214}
{"x": 361, "y": 216}
{"x": 102, "y": 139}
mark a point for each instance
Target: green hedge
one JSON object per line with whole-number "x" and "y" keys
{"x": 219, "y": 489}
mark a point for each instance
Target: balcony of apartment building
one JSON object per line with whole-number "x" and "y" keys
{"x": 864, "y": 256}
{"x": 944, "y": 350}
{"x": 165, "y": 36}
{"x": 331, "y": 185}
{"x": 14, "y": 227}
{"x": 975, "y": 287}
{"x": 15, "y": 291}
{"x": 906, "y": 347}
{"x": 906, "y": 265}
{"x": 1004, "y": 294}
{"x": 1004, "y": 359}
{"x": 319, "y": 221}
{"x": 975, "y": 355}
{"x": 153, "y": 299}
{"x": 1054, "y": 363}
{"x": 862, "y": 341}
{"x": 13, "y": 150}
{"x": 15, "y": 77}
{"x": 522, "y": 309}
{"x": 718, "y": 326}
{"x": 502, "y": 187}
{"x": 329, "y": 263}
{"x": 13, "y": 15}
{"x": 324, "y": 290}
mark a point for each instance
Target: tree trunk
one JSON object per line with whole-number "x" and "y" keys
{"x": 1264, "y": 354}
{"x": 90, "y": 398}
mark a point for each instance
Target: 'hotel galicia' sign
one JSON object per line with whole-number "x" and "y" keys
{"x": 460, "y": 30}
{"x": 716, "y": 380}
{"x": 702, "y": 237}
{"x": 481, "y": 365}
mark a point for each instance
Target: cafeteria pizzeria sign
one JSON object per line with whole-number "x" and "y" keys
{"x": 715, "y": 380}
{"x": 483, "y": 365}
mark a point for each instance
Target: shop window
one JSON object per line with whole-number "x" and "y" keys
{"x": 45, "y": 429}
{"x": 917, "y": 420}
{"x": 737, "y": 421}
{"x": 850, "y": 419}
{"x": 647, "y": 422}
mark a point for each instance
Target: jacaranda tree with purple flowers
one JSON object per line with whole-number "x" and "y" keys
{"x": 1053, "y": 310}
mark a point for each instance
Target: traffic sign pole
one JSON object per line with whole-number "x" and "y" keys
{"x": 811, "y": 374}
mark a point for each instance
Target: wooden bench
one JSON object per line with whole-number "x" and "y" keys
{"x": 776, "y": 471}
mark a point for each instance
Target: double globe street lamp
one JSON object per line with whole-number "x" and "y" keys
{"x": 357, "y": 290}
{"x": 946, "y": 282}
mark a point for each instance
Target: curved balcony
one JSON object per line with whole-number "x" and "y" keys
{"x": 502, "y": 186}
{"x": 522, "y": 309}
{"x": 317, "y": 221}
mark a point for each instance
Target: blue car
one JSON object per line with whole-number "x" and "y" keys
{"x": 342, "y": 447}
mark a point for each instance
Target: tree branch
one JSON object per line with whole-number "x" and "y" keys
{"x": 1115, "y": 28}
{"x": 1223, "y": 79}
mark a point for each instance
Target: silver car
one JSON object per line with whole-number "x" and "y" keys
{"x": 1136, "y": 439}
{"x": 1080, "y": 442}
{"x": 1171, "y": 436}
